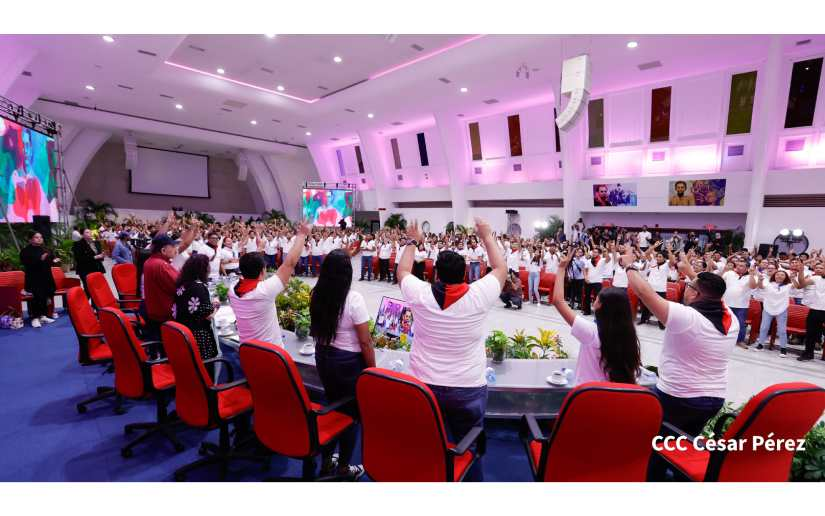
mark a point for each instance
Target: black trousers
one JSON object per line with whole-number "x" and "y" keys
{"x": 645, "y": 312}
{"x": 395, "y": 274}
{"x": 38, "y": 306}
{"x": 339, "y": 371}
{"x": 418, "y": 270}
{"x": 813, "y": 330}
{"x": 590, "y": 291}
{"x": 383, "y": 269}
{"x": 576, "y": 286}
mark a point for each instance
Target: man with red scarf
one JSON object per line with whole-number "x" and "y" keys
{"x": 448, "y": 353}
{"x": 253, "y": 298}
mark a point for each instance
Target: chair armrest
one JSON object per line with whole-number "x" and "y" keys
{"x": 230, "y": 385}
{"x": 334, "y": 406}
{"x": 717, "y": 428}
{"x": 673, "y": 430}
{"x": 530, "y": 429}
{"x": 157, "y": 361}
{"x": 68, "y": 283}
{"x": 467, "y": 441}
{"x": 92, "y": 335}
{"x": 133, "y": 300}
{"x": 151, "y": 345}
{"x": 229, "y": 369}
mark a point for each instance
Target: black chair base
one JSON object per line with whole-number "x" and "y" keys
{"x": 103, "y": 393}
{"x": 152, "y": 428}
{"x": 221, "y": 454}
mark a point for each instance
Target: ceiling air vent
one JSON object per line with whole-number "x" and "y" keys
{"x": 417, "y": 47}
{"x": 445, "y": 80}
{"x": 595, "y": 160}
{"x": 334, "y": 139}
{"x": 477, "y": 171}
{"x": 302, "y": 126}
{"x": 234, "y": 104}
{"x": 651, "y": 64}
{"x": 516, "y": 167}
{"x": 803, "y": 42}
{"x": 147, "y": 53}
{"x": 400, "y": 177}
{"x": 491, "y": 101}
{"x": 125, "y": 87}
{"x": 166, "y": 96}
{"x": 226, "y": 109}
{"x": 276, "y": 120}
{"x": 267, "y": 70}
{"x": 736, "y": 150}
{"x": 363, "y": 181}
{"x": 348, "y": 110}
{"x": 71, "y": 103}
{"x": 397, "y": 123}
{"x": 460, "y": 115}
{"x": 658, "y": 156}
{"x": 197, "y": 48}
{"x": 323, "y": 88}
{"x": 795, "y": 145}
{"x": 26, "y": 73}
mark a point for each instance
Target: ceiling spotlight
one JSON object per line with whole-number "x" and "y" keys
{"x": 253, "y": 122}
{"x": 270, "y": 36}
{"x": 632, "y": 44}
{"x": 784, "y": 232}
{"x": 221, "y": 71}
{"x": 90, "y": 87}
{"x": 108, "y": 39}
{"x": 308, "y": 133}
{"x": 370, "y": 115}
{"x": 178, "y": 106}
{"x": 280, "y": 88}
{"x": 337, "y": 59}
{"x": 797, "y": 232}
{"x": 463, "y": 89}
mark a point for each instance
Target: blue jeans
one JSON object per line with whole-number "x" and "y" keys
{"x": 781, "y": 328}
{"x": 339, "y": 370}
{"x": 741, "y": 315}
{"x": 688, "y": 414}
{"x": 533, "y": 286}
{"x": 462, "y": 408}
{"x": 475, "y": 271}
{"x": 366, "y": 267}
{"x": 303, "y": 265}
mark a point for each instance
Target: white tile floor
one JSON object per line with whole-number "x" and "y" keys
{"x": 750, "y": 371}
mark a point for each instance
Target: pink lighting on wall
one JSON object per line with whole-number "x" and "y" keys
{"x": 690, "y": 160}
{"x": 434, "y": 53}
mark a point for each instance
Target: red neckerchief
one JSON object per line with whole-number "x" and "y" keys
{"x": 245, "y": 286}
{"x": 447, "y": 294}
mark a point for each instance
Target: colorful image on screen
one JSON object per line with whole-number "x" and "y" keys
{"x": 394, "y": 318}
{"x": 28, "y": 173}
{"x": 614, "y": 194}
{"x": 699, "y": 192}
{"x": 323, "y": 207}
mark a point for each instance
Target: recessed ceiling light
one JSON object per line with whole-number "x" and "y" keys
{"x": 221, "y": 71}
{"x": 632, "y": 44}
{"x": 370, "y": 115}
{"x": 108, "y": 39}
{"x": 253, "y": 122}
{"x": 337, "y": 59}
{"x": 280, "y": 88}
{"x": 90, "y": 87}
{"x": 178, "y": 106}
{"x": 463, "y": 89}
{"x": 308, "y": 133}
{"x": 270, "y": 36}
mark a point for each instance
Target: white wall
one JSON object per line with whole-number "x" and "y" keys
{"x": 811, "y": 220}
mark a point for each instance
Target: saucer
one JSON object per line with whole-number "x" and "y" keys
{"x": 560, "y": 383}
{"x": 307, "y": 349}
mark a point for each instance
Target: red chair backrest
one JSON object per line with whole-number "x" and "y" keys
{"x": 279, "y": 398}
{"x": 428, "y": 270}
{"x": 191, "y": 379}
{"x": 634, "y": 301}
{"x": 84, "y": 322}
{"x": 403, "y": 433}
{"x": 525, "y": 285}
{"x": 124, "y": 276}
{"x": 797, "y": 316}
{"x": 673, "y": 292}
{"x": 785, "y": 410}
{"x": 127, "y": 353}
{"x": 59, "y": 276}
{"x": 579, "y": 449}
{"x": 13, "y": 279}
{"x": 547, "y": 280}
{"x": 100, "y": 292}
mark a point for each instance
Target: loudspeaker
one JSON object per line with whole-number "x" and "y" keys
{"x": 511, "y": 212}
{"x": 43, "y": 225}
{"x": 575, "y": 85}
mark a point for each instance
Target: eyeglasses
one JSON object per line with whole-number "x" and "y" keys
{"x": 690, "y": 285}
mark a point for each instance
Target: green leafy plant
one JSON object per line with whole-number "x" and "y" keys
{"x": 10, "y": 260}
{"x": 302, "y": 323}
{"x": 496, "y": 345}
{"x": 520, "y": 345}
{"x": 547, "y": 345}
{"x": 273, "y": 215}
{"x": 396, "y": 221}
{"x": 96, "y": 212}
{"x": 293, "y": 304}
{"x": 222, "y": 291}
{"x": 64, "y": 251}
{"x": 554, "y": 223}
{"x": 809, "y": 465}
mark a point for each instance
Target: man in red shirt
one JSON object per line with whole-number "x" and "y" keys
{"x": 159, "y": 277}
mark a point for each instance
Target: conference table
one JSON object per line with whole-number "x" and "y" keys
{"x": 520, "y": 387}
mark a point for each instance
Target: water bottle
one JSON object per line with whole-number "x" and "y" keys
{"x": 397, "y": 365}
{"x": 490, "y": 373}
{"x": 568, "y": 373}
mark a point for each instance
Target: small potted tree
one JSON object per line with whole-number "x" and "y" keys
{"x": 496, "y": 344}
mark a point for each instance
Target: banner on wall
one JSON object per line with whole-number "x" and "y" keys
{"x": 614, "y": 194}
{"x": 699, "y": 192}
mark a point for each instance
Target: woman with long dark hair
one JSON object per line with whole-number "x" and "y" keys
{"x": 193, "y": 306}
{"x": 609, "y": 346}
{"x": 343, "y": 347}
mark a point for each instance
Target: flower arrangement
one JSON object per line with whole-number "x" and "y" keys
{"x": 547, "y": 345}
{"x": 222, "y": 292}
{"x": 293, "y": 307}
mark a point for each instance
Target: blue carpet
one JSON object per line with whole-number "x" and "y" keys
{"x": 43, "y": 438}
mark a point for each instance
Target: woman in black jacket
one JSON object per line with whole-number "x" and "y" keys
{"x": 37, "y": 263}
{"x": 88, "y": 257}
{"x": 193, "y": 306}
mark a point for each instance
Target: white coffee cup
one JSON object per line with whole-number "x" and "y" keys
{"x": 558, "y": 377}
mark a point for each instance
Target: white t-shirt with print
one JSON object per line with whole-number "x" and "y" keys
{"x": 255, "y": 313}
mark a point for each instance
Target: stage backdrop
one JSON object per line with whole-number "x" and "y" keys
{"x": 698, "y": 192}
{"x": 614, "y": 194}
{"x": 327, "y": 207}
{"x": 28, "y": 173}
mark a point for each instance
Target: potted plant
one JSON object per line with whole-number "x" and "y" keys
{"x": 496, "y": 344}
{"x": 548, "y": 344}
{"x": 223, "y": 292}
{"x": 302, "y": 323}
{"x": 520, "y": 345}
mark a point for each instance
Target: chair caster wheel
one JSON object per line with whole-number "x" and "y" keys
{"x": 203, "y": 451}
{"x": 126, "y": 453}
{"x": 179, "y": 447}
{"x": 81, "y": 409}
{"x": 179, "y": 477}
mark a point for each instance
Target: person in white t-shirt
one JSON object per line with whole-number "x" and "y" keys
{"x": 593, "y": 273}
{"x": 384, "y": 254}
{"x": 551, "y": 259}
{"x": 367, "y": 253}
{"x": 315, "y": 252}
{"x": 644, "y": 238}
{"x": 229, "y": 256}
{"x": 343, "y": 348}
{"x": 738, "y": 287}
{"x": 474, "y": 255}
{"x": 776, "y": 295}
{"x": 253, "y": 298}
{"x": 270, "y": 250}
{"x": 448, "y": 353}
{"x": 658, "y": 271}
{"x": 616, "y": 358}
{"x": 816, "y": 307}
{"x": 698, "y": 341}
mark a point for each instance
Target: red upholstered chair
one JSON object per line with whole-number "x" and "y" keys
{"x": 286, "y": 421}
{"x": 201, "y": 403}
{"x": 673, "y": 292}
{"x": 797, "y": 315}
{"x": 63, "y": 284}
{"x": 137, "y": 377}
{"x": 607, "y": 283}
{"x": 428, "y": 270}
{"x": 634, "y": 302}
{"x": 124, "y": 276}
{"x": 92, "y": 348}
{"x": 781, "y": 411}
{"x": 102, "y": 297}
{"x": 404, "y": 439}
{"x": 525, "y": 285}
{"x": 15, "y": 280}
{"x": 601, "y": 434}
{"x": 547, "y": 281}
{"x": 754, "y": 319}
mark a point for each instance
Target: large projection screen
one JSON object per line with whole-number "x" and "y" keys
{"x": 161, "y": 172}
